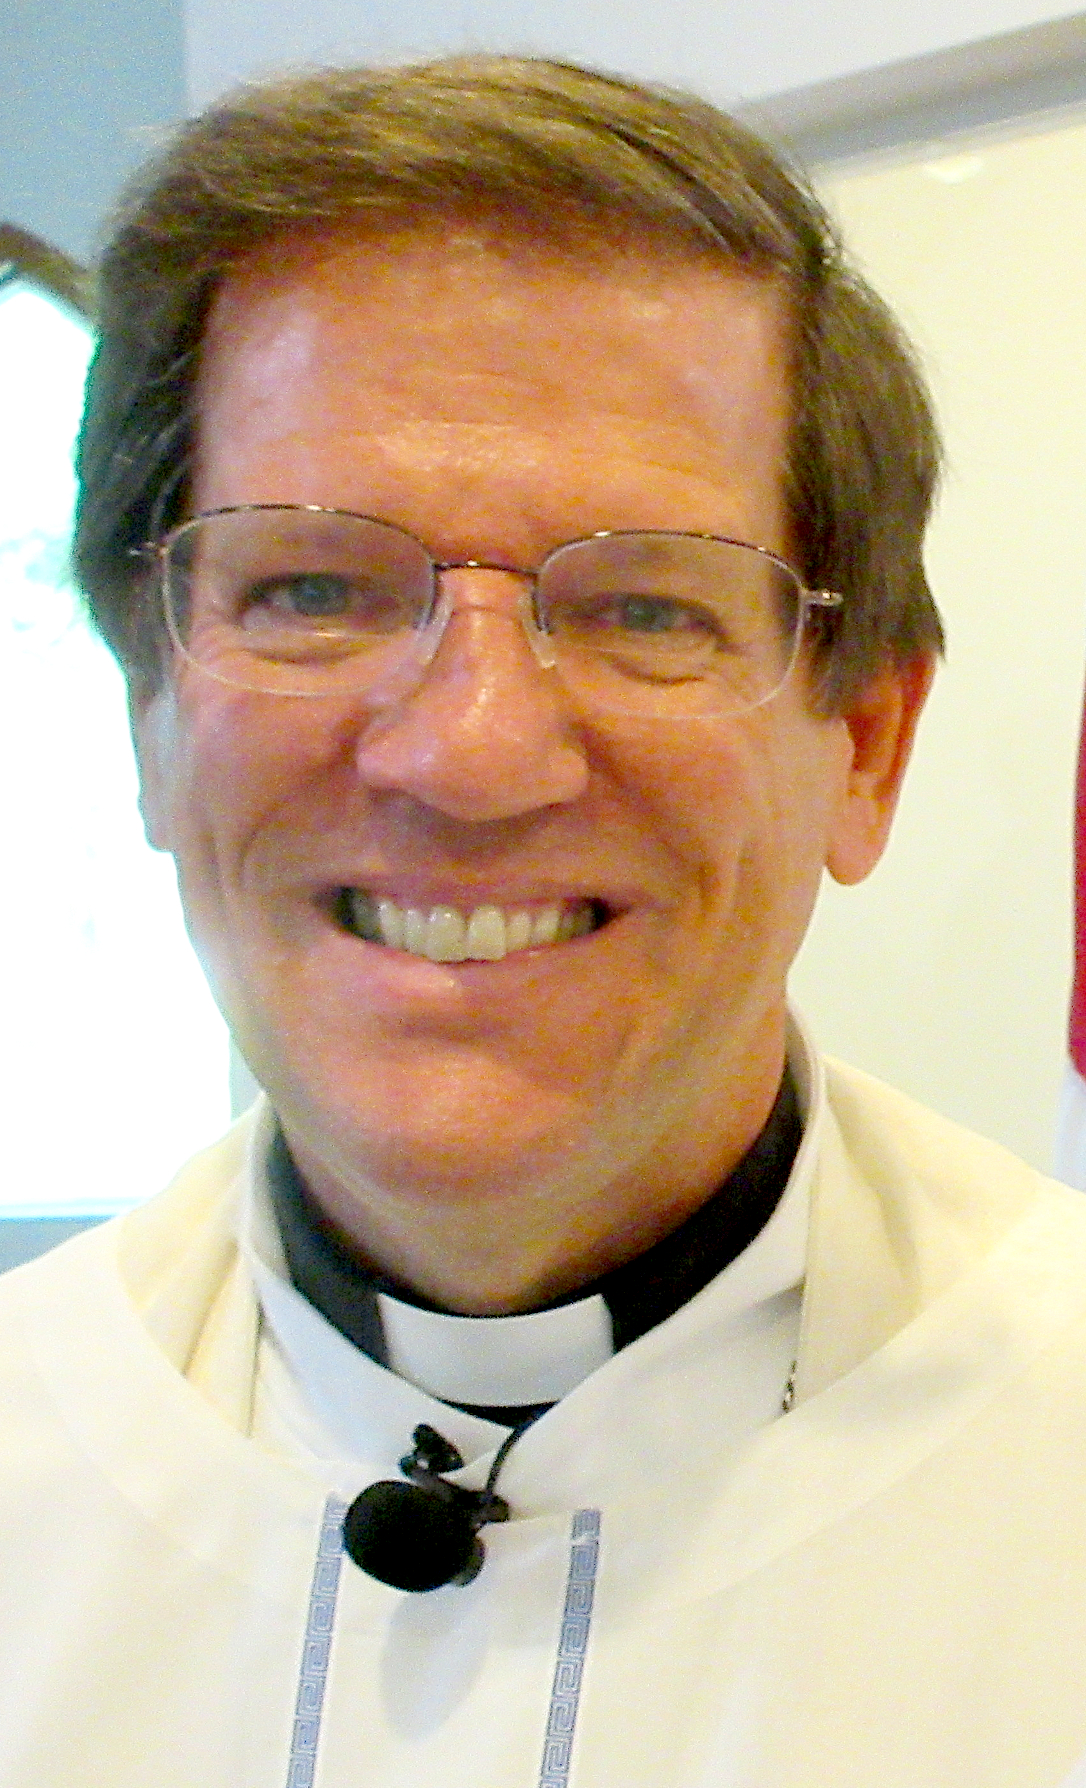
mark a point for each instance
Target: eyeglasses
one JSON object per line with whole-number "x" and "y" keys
{"x": 306, "y": 601}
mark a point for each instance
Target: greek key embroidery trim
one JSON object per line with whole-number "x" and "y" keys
{"x": 320, "y": 1621}
{"x": 584, "y": 1551}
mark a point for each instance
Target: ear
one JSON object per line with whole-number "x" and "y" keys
{"x": 881, "y": 725}
{"x": 152, "y": 718}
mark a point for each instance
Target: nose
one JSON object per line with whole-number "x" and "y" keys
{"x": 486, "y": 733}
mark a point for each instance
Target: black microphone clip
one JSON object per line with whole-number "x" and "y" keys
{"x": 425, "y": 1533}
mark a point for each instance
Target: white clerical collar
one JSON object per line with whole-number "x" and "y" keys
{"x": 504, "y": 1361}
{"x": 497, "y": 1361}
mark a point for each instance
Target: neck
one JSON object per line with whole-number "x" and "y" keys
{"x": 634, "y": 1298}
{"x": 487, "y": 1252}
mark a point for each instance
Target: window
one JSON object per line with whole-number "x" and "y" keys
{"x": 115, "y": 1061}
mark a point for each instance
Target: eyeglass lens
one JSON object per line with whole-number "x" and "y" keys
{"x": 308, "y": 601}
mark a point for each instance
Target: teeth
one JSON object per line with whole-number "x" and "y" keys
{"x": 415, "y": 929}
{"x": 487, "y": 937}
{"x": 444, "y": 935}
{"x": 545, "y": 926}
{"x": 518, "y": 931}
{"x": 390, "y": 923}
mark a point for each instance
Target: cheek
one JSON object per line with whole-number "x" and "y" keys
{"x": 239, "y": 758}
{"x": 714, "y": 802}
{"x": 225, "y": 767}
{"x": 804, "y": 779}
{"x": 749, "y": 812}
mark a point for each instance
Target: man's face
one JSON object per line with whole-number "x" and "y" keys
{"x": 590, "y": 1090}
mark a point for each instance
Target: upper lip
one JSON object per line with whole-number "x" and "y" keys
{"x": 425, "y": 892}
{"x": 465, "y": 900}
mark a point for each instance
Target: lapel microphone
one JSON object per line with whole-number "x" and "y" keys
{"x": 425, "y": 1533}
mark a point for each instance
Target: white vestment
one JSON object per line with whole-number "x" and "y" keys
{"x": 884, "y": 1588}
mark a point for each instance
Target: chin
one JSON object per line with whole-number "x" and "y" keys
{"x": 437, "y": 1133}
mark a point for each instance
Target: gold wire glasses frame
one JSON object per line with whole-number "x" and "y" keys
{"x": 293, "y": 599}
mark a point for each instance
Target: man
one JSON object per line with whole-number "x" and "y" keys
{"x": 507, "y": 507}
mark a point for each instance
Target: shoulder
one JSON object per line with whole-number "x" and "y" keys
{"x": 129, "y": 1346}
{"x": 913, "y": 1216}
{"x": 944, "y": 1196}
{"x": 143, "y": 1258}
{"x": 881, "y": 1124}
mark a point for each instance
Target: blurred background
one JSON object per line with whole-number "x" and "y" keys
{"x": 950, "y": 139}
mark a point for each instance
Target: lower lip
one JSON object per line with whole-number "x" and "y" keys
{"x": 385, "y": 975}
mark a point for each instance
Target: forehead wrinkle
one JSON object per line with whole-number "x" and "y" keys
{"x": 415, "y": 443}
{"x": 456, "y": 484}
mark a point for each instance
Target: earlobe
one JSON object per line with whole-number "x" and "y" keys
{"x": 881, "y": 724}
{"x": 151, "y": 717}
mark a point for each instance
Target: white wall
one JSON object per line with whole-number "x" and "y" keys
{"x": 949, "y": 972}
{"x": 86, "y": 85}
{"x": 725, "y": 48}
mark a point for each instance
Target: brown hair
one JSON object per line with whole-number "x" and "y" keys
{"x": 26, "y": 256}
{"x": 557, "y": 153}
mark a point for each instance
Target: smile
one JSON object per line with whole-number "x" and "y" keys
{"x": 485, "y": 934}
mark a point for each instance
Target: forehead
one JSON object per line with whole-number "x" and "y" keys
{"x": 467, "y": 356}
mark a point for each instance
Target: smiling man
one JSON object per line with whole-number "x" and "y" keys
{"x": 605, "y": 883}
{"x": 507, "y": 507}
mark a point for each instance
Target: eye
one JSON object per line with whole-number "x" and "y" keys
{"x": 310, "y": 595}
{"x": 654, "y": 614}
{"x": 325, "y": 601}
{"x": 665, "y": 621}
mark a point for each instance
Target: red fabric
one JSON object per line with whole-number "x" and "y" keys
{"x": 1077, "y": 1028}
